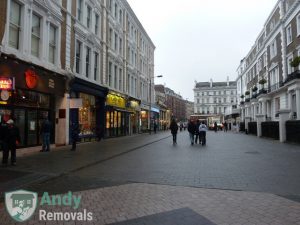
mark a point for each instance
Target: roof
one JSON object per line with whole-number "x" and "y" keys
{"x": 215, "y": 84}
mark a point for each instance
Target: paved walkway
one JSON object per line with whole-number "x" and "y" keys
{"x": 236, "y": 179}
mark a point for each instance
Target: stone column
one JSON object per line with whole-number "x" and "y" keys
{"x": 283, "y": 117}
{"x": 259, "y": 119}
{"x": 268, "y": 109}
{"x": 298, "y": 103}
{"x": 264, "y": 108}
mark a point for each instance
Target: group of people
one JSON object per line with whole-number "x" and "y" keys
{"x": 197, "y": 131}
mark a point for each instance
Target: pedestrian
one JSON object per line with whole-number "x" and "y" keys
{"x": 202, "y": 133}
{"x": 155, "y": 127}
{"x": 225, "y": 127}
{"x": 191, "y": 130}
{"x": 45, "y": 133}
{"x": 215, "y": 127}
{"x": 3, "y": 140}
{"x": 12, "y": 139}
{"x": 74, "y": 135}
{"x": 174, "y": 129}
{"x": 197, "y": 132}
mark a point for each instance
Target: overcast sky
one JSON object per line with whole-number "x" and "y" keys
{"x": 200, "y": 39}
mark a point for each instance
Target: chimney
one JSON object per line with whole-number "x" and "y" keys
{"x": 211, "y": 81}
{"x": 227, "y": 80}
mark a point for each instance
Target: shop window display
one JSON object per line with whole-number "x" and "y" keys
{"x": 87, "y": 115}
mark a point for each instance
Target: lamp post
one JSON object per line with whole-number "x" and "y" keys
{"x": 150, "y": 103}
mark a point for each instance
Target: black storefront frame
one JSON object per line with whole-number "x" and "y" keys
{"x": 117, "y": 131}
{"x": 13, "y": 107}
{"x": 78, "y": 86}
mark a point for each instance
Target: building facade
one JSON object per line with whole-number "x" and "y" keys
{"x": 267, "y": 84}
{"x": 85, "y": 62}
{"x": 214, "y": 98}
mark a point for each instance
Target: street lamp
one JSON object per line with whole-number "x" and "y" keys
{"x": 150, "y": 103}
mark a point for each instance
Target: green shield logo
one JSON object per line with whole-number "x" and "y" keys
{"x": 21, "y": 204}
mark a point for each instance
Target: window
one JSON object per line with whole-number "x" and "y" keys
{"x": 96, "y": 23}
{"x": 116, "y": 10}
{"x": 110, "y": 37}
{"x": 120, "y": 17}
{"x": 52, "y": 43}
{"x": 87, "y": 62}
{"x": 116, "y": 42}
{"x": 273, "y": 49}
{"x": 88, "y": 17}
{"x": 274, "y": 79}
{"x": 298, "y": 25}
{"x": 14, "y": 25}
{"x": 110, "y": 74}
{"x": 78, "y": 56}
{"x": 120, "y": 80}
{"x": 277, "y": 105}
{"x": 79, "y": 10}
{"x": 116, "y": 78}
{"x": 289, "y": 67}
{"x": 288, "y": 34}
{"x": 35, "y": 35}
{"x": 96, "y": 57}
{"x": 120, "y": 46}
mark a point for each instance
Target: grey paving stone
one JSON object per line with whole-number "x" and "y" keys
{"x": 183, "y": 216}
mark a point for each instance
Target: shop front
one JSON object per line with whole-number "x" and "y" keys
{"x": 118, "y": 117}
{"x": 154, "y": 117}
{"x": 87, "y": 103}
{"x": 28, "y": 95}
{"x": 144, "y": 118}
{"x": 133, "y": 105}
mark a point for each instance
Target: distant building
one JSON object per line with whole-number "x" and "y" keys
{"x": 189, "y": 109}
{"x": 214, "y": 98}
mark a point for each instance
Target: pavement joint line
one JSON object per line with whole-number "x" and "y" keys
{"x": 102, "y": 160}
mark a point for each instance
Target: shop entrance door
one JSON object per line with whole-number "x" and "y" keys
{"x": 32, "y": 130}
{"x": 19, "y": 115}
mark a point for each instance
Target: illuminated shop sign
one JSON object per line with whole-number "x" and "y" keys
{"x": 115, "y": 100}
{"x": 7, "y": 83}
{"x": 31, "y": 78}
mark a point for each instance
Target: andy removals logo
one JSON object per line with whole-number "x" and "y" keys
{"x": 21, "y": 204}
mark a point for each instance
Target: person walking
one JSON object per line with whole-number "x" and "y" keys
{"x": 12, "y": 139}
{"x": 174, "y": 129}
{"x": 191, "y": 130}
{"x": 45, "y": 132}
{"x": 215, "y": 127}
{"x": 197, "y": 132}
{"x": 225, "y": 127}
{"x": 202, "y": 133}
{"x": 155, "y": 127}
{"x": 74, "y": 135}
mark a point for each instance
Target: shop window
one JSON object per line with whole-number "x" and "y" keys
{"x": 32, "y": 99}
{"x": 87, "y": 115}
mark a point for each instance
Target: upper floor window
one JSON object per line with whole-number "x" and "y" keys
{"x": 116, "y": 10}
{"x": 120, "y": 46}
{"x": 288, "y": 34}
{"x": 35, "y": 35}
{"x": 273, "y": 49}
{"x": 298, "y": 25}
{"x": 14, "y": 25}
{"x": 78, "y": 56}
{"x": 79, "y": 10}
{"x": 289, "y": 67}
{"x": 52, "y": 43}
{"x": 120, "y": 16}
{"x": 116, "y": 42}
{"x": 88, "y": 16}
{"x": 96, "y": 23}
{"x": 87, "y": 61}
{"x": 96, "y": 57}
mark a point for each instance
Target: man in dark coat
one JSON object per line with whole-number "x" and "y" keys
{"x": 197, "y": 132}
{"x": 11, "y": 140}
{"x": 45, "y": 132}
{"x": 174, "y": 129}
{"x": 74, "y": 135}
{"x": 191, "y": 130}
